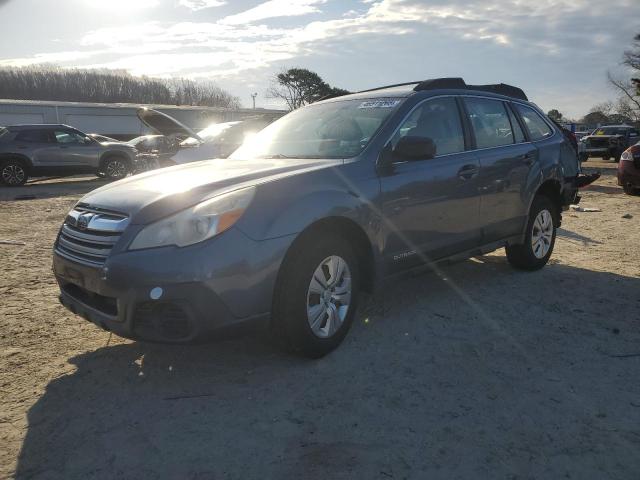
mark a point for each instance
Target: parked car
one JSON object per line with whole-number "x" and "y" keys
{"x": 159, "y": 145}
{"x": 629, "y": 170}
{"x": 325, "y": 202}
{"x": 608, "y": 142}
{"x": 218, "y": 140}
{"x": 36, "y": 150}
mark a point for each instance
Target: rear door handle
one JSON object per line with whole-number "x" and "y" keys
{"x": 528, "y": 158}
{"x": 468, "y": 171}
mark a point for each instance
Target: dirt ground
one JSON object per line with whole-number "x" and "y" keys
{"x": 479, "y": 371}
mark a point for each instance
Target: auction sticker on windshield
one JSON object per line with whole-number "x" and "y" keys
{"x": 379, "y": 104}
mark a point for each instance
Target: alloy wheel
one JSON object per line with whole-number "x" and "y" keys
{"x": 329, "y": 296}
{"x": 542, "y": 234}
{"x": 13, "y": 174}
{"x": 116, "y": 169}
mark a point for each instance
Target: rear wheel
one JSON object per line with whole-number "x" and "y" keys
{"x": 13, "y": 173}
{"x": 115, "y": 168}
{"x": 316, "y": 296}
{"x": 540, "y": 238}
{"x": 630, "y": 189}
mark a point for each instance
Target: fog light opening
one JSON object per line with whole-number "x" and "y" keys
{"x": 156, "y": 293}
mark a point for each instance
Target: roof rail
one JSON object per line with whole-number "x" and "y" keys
{"x": 389, "y": 86}
{"x": 459, "y": 83}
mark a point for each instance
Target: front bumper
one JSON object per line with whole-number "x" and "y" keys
{"x": 175, "y": 295}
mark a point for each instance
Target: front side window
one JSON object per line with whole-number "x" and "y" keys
{"x": 490, "y": 122}
{"x": 439, "y": 120}
{"x": 67, "y": 137}
{"x": 338, "y": 129}
{"x": 538, "y": 128}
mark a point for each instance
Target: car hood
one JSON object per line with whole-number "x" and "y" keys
{"x": 159, "y": 193}
{"x": 164, "y": 124}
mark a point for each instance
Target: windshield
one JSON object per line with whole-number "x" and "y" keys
{"x": 339, "y": 129}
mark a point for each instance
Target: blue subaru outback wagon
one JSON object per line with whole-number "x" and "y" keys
{"x": 321, "y": 204}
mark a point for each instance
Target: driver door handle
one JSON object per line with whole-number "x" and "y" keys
{"x": 468, "y": 172}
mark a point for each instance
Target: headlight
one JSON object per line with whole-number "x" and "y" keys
{"x": 195, "y": 224}
{"x": 626, "y": 155}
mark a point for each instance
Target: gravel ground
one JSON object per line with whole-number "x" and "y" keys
{"x": 477, "y": 371}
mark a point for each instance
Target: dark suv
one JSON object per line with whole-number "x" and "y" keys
{"x": 608, "y": 142}
{"x": 326, "y": 201}
{"x": 36, "y": 150}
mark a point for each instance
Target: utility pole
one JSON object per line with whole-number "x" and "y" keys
{"x": 253, "y": 97}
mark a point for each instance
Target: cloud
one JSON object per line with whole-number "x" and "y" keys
{"x": 274, "y": 9}
{"x": 201, "y": 4}
{"x": 551, "y": 33}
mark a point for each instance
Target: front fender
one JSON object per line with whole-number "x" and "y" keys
{"x": 289, "y": 205}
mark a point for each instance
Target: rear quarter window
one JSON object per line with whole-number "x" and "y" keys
{"x": 538, "y": 128}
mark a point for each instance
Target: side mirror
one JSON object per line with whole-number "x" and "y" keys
{"x": 415, "y": 148}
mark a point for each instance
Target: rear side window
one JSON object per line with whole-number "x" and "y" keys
{"x": 32, "y": 136}
{"x": 515, "y": 125}
{"x": 439, "y": 120}
{"x": 538, "y": 128}
{"x": 490, "y": 122}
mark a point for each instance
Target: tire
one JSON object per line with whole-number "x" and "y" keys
{"x": 115, "y": 168}
{"x": 301, "y": 320}
{"x": 534, "y": 254}
{"x": 631, "y": 190}
{"x": 13, "y": 172}
{"x": 606, "y": 159}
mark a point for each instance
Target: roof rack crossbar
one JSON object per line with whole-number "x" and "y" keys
{"x": 459, "y": 83}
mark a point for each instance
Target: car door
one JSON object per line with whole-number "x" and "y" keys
{"x": 506, "y": 159}
{"x": 430, "y": 206}
{"x": 75, "y": 149}
{"x": 37, "y": 145}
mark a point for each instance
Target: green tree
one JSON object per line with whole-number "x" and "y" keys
{"x": 595, "y": 118}
{"x": 555, "y": 115}
{"x": 299, "y": 87}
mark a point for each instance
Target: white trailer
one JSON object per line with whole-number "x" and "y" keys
{"x": 116, "y": 120}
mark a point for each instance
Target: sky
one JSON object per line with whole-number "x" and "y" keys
{"x": 557, "y": 51}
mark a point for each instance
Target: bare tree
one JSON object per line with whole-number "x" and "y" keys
{"x": 46, "y": 82}
{"x": 630, "y": 99}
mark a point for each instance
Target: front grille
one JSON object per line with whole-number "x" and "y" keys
{"x": 88, "y": 234}
{"x": 108, "y": 305}
{"x": 599, "y": 142}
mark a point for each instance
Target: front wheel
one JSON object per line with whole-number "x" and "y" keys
{"x": 316, "y": 296}
{"x": 13, "y": 173}
{"x": 540, "y": 237}
{"x": 115, "y": 168}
